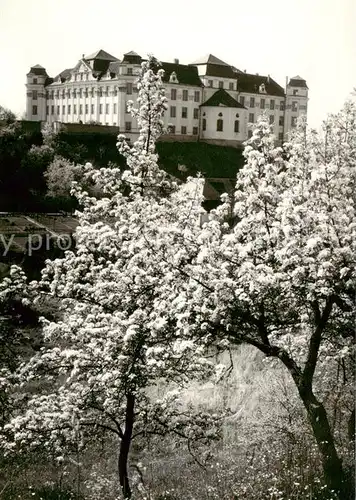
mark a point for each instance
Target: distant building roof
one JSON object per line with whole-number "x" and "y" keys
{"x": 220, "y": 71}
{"x": 209, "y": 59}
{"x": 132, "y": 58}
{"x": 64, "y": 75}
{"x": 298, "y": 81}
{"x": 222, "y": 98}
{"x": 251, "y": 84}
{"x": 37, "y": 70}
{"x": 186, "y": 74}
{"x": 102, "y": 55}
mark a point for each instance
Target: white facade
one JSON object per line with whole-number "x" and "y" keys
{"x": 98, "y": 88}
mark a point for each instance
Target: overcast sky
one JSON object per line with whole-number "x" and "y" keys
{"x": 315, "y": 39}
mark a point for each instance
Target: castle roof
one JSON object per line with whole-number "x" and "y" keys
{"x": 222, "y": 98}
{"x": 37, "y": 70}
{"x": 186, "y": 74}
{"x": 251, "y": 83}
{"x": 101, "y": 55}
{"x": 209, "y": 59}
{"x": 298, "y": 81}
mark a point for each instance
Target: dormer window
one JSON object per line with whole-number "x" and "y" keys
{"x": 173, "y": 77}
{"x": 262, "y": 88}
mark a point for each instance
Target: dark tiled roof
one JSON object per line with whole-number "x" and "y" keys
{"x": 64, "y": 75}
{"x": 114, "y": 68}
{"x": 186, "y": 74}
{"x": 220, "y": 70}
{"x": 38, "y": 70}
{"x": 132, "y": 58}
{"x": 221, "y": 97}
{"x": 102, "y": 55}
{"x": 298, "y": 81}
{"x": 251, "y": 83}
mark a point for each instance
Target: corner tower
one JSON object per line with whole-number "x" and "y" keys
{"x": 296, "y": 101}
{"x": 36, "y": 94}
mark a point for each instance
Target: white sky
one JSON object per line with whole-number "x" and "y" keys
{"x": 313, "y": 38}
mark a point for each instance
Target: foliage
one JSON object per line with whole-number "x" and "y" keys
{"x": 92, "y": 375}
{"x": 7, "y": 115}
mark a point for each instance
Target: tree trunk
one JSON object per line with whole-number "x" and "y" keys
{"x": 125, "y": 446}
{"x": 334, "y": 473}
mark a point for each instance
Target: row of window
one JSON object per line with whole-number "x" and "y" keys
{"x": 173, "y": 112}
{"x": 252, "y": 103}
{"x": 251, "y": 119}
{"x": 83, "y": 92}
{"x": 220, "y": 125}
{"x": 81, "y": 108}
{"x": 185, "y": 95}
{"x": 221, "y": 84}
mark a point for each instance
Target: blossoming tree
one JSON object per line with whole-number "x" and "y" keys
{"x": 279, "y": 274}
{"x": 111, "y": 344}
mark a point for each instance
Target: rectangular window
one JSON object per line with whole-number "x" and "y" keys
{"x": 115, "y": 92}
{"x": 47, "y": 110}
{"x": 128, "y": 126}
{"x": 115, "y": 108}
{"x": 172, "y": 129}
{"x": 249, "y": 134}
{"x": 68, "y": 93}
{"x": 294, "y": 106}
{"x": 294, "y": 121}
{"x": 195, "y": 130}
{"x": 69, "y": 109}
{"x": 52, "y": 110}
{"x": 107, "y": 91}
{"x": 63, "y": 110}
{"x": 173, "y": 112}
{"x": 87, "y": 109}
{"x": 92, "y": 109}
{"x": 184, "y": 112}
{"x": 271, "y": 119}
{"x": 86, "y": 93}
{"x": 100, "y": 92}
{"x": 185, "y": 95}
{"x": 107, "y": 109}
{"x": 221, "y": 85}
{"x": 262, "y": 103}
{"x": 74, "y": 93}
{"x": 281, "y": 121}
{"x": 251, "y": 118}
{"x": 183, "y": 130}
{"x": 173, "y": 94}
{"x": 237, "y": 127}
{"x": 129, "y": 90}
{"x": 295, "y": 92}
{"x": 63, "y": 94}
{"x": 34, "y": 95}
{"x": 196, "y": 96}
{"x": 210, "y": 83}
{"x": 281, "y": 105}
{"x": 196, "y": 113}
{"x": 75, "y": 109}
{"x": 101, "y": 109}
{"x": 231, "y": 86}
{"x": 271, "y": 104}
{"x": 252, "y": 102}
{"x": 35, "y": 81}
{"x": 129, "y": 71}
{"x": 80, "y": 109}
{"x": 80, "y": 93}
{"x": 204, "y": 124}
{"x": 52, "y": 94}
{"x": 242, "y": 100}
{"x": 280, "y": 136}
{"x": 127, "y": 107}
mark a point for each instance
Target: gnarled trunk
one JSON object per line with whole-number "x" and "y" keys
{"x": 125, "y": 446}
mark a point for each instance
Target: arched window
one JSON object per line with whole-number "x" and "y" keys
{"x": 237, "y": 115}
{"x": 237, "y": 126}
{"x": 219, "y": 125}
{"x": 204, "y": 124}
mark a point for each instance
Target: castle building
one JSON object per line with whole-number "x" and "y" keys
{"x": 208, "y": 100}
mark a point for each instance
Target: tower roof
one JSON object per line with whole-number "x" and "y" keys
{"x": 38, "y": 70}
{"x": 298, "y": 81}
